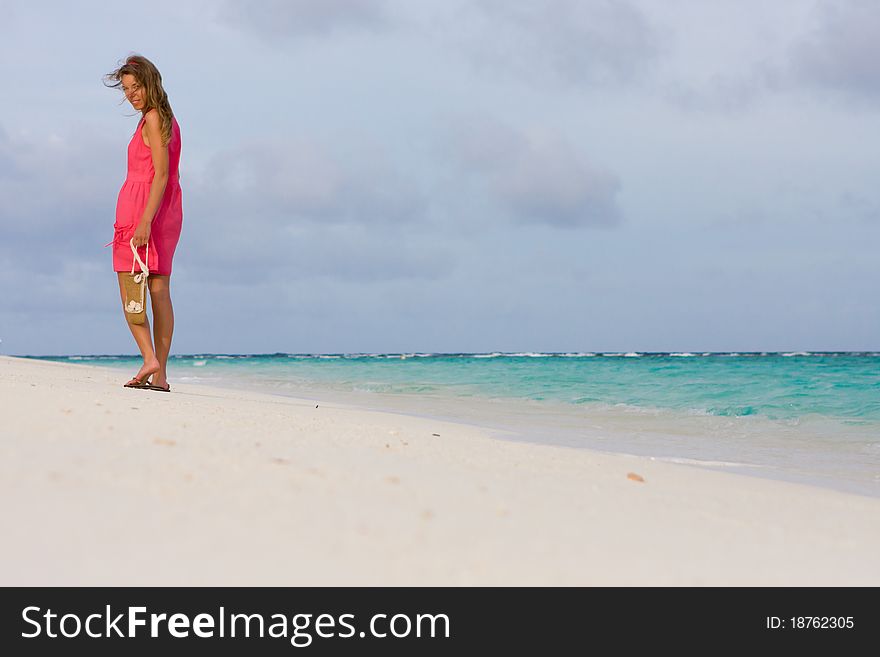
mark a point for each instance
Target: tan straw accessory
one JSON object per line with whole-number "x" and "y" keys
{"x": 135, "y": 286}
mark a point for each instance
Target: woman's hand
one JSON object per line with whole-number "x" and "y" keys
{"x": 141, "y": 234}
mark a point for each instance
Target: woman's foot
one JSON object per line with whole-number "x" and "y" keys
{"x": 159, "y": 382}
{"x": 147, "y": 370}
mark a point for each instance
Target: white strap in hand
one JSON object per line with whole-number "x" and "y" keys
{"x": 145, "y": 269}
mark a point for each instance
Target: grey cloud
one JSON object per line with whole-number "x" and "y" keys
{"x": 246, "y": 250}
{"x": 302, "y": 179}
{"x": 10, "y": 13}
{"x": 293, "y": 18}
{"x": 859, "y": 207}
{"x": 725, "y": 93}
{"x": 57, "y": 199}
{"x": 57, "y": 191}
{"x": 292, "y": 209}
{"x": 842, "y": 50}
{"x": 835, "y": 54}
{"x": 599, "y": 41}
{"x": 294, "y": 253}
{"x": 537, "y": 179}
{"x": 73, "y": 284}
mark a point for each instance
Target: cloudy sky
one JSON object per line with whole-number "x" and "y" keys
{"x": 443, "y": 175}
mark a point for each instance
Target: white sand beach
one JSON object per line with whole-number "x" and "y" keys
{"x": 102, "y": 485}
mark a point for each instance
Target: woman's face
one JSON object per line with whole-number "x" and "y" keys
{"x": 133, "y": 91}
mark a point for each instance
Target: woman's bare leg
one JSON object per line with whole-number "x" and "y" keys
{"x": 141, "y": 334}
{"x": 163, "y": 324}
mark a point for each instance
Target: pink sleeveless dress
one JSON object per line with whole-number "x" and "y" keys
{"x": 165, "y": 229}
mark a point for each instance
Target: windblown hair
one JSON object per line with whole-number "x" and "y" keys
{"x": 149, "y": 78}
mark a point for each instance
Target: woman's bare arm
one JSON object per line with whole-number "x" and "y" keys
{"x": 153, "y": 128}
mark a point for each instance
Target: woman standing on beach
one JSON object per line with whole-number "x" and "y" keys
{"x": 149, "y": 211}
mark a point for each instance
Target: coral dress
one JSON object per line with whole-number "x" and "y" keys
{"x": 165, "y": 229}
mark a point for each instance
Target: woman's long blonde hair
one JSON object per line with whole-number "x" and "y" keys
{"x": 149, "y": 78}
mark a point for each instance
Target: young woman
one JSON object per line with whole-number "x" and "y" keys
{"x": 149, "y": 211}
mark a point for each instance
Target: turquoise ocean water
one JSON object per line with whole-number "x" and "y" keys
{"x": 807, "y": 417}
